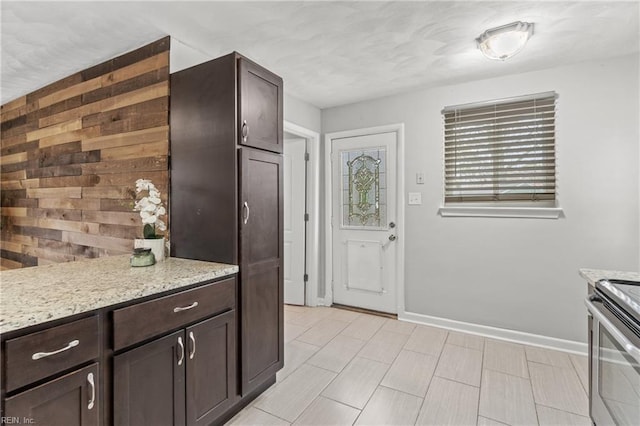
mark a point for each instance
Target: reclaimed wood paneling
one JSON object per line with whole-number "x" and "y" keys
{"x": 70, "y": 154}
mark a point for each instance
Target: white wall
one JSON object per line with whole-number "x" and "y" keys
{"x": 513, "y": 273}
{"x": 301, "y": 113}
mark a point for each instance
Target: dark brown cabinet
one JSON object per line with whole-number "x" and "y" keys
{"x": 260, "y": 102}
{"x": 165, "y": 359}
{"x": 226, "y": 192}
{"x": 148, "y": 383}
{"x": 210, "y": 368}
{"x": 70, "y": 400}
{"x": 261, "y": 265}
{"x": 185, "y": 378}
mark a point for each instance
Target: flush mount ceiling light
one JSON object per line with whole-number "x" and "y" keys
{"x": 503, "y": 42}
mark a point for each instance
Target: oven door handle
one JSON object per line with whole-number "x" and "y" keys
{"x": 629, "y": 347}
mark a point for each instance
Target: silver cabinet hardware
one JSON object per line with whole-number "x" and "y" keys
{"x": 71, "y": 344}
{"x": 246, "y": 212}
{"x": 392, "y": 237}
{"x": 245, "y": 130}
{"x": 185, "y": 308}
{"x": 392, "y": 225}
{"x": 193, "y": 345}
{"x": 93, "y": 391}
{"x": 181, "y": 346}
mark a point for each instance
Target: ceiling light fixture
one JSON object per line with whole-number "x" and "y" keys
{"x": 503, "y": 42}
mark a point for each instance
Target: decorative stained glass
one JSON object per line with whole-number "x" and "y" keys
{"x": 363, "y": 188}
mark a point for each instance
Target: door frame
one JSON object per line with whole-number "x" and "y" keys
{"x": 397, "y": 128}
{"x": 312, "y": 239}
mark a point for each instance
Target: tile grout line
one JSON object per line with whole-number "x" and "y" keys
{"x": 533, "y": 395}
{"x": 564, "y": 411}
{"x": 424, "y": 399}
{"x": 484, "y": 345}
{"x": 337, "y": 374}
{"x": 271, "y": 414}
{"x": 385, "y": 374}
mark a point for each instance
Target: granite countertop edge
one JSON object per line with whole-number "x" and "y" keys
{"x": 594, "y": 275}
{"x": 36, "y": 295}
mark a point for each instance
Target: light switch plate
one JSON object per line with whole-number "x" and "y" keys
{"x": 420, "y": 178}
{"x": 415, "y": 198}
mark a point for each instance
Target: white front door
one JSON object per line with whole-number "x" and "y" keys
{"x": 364, "y": 221}
{"x": 294, "y": 224}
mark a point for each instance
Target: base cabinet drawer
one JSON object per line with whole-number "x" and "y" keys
{"x": 71, "y": 400}
{"x": 185, "y": 378}
{"x": 141, "y": 321}
{"x": 39, "y": 355}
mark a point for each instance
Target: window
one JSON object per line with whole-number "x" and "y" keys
{"x": 501, "y": 151}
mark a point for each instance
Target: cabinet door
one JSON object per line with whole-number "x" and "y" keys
{"x": 148, "y": 383}
{"x": 211, "y": 368}
{"x": 261, "y": 281}
{"x": 67, "y": 401}
{"x": 260, "y": 103}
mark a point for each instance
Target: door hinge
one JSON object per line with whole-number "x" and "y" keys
{"x": 306, "y": 217}
{"x": 306, "y": 277}
{"x": 306, "y": 156}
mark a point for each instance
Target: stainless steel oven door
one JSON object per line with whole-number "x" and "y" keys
{"x": 615, "y": 366}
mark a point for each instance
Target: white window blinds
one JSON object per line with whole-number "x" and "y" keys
{"x": 501, "y": 150}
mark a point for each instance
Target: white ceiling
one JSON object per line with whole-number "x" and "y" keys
{"x": 329, "y": 53}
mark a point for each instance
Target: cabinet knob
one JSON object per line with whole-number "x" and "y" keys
{"x": 245, "y": 131}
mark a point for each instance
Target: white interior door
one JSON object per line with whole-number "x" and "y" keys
{"x": 364, "y": 212}
{"x": 294, "y": 224}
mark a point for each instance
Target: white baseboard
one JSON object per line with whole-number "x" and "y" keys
{"x": 497, "y": 333}
{"x": 320, "y": 301}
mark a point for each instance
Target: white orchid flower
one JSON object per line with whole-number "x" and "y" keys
{"x": 141, "y": 204}
{"x": 151, "y": 219}
{"x": 161, "y": 225}
{"x": 143, "y": 185}
{"x": 150, "y": 207}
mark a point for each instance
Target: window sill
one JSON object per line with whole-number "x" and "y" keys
{"x": 525, "y": 212}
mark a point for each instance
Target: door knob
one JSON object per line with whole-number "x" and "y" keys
{"x": 392, "y": 225}
{"x": 392, "y": 237}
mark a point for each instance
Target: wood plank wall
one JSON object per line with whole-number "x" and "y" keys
{"x": 71, "y": 153}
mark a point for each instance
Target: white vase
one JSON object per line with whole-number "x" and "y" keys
{"x": 156, "y": 245}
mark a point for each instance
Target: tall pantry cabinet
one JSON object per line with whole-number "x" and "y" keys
{"x": 226, "y": 194}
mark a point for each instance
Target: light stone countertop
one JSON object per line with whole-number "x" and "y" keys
{"x": 594, "y": 275}
{"x": 35, "y": 295}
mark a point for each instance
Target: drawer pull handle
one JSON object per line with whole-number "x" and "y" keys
{"x": 245, "y": 213}
{"x": 93, "y": 391}
{"x": 185, "y": 308}
{"x": 245, "y": 131}
{"x": 193, "y": 345}
{"x": 181, "y": 346}
{"x": 38, "y": 355}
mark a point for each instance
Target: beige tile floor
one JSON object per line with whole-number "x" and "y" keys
{"x": 344, "y": 368}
